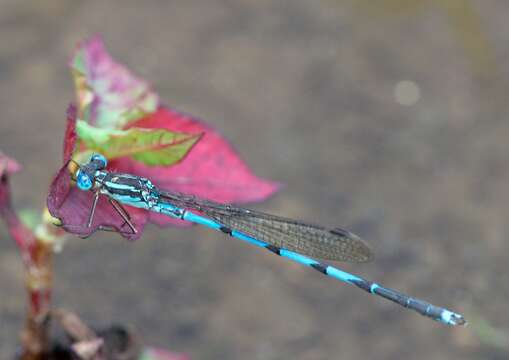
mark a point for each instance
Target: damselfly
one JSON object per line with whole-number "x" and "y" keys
{"x": 288, "y": 238}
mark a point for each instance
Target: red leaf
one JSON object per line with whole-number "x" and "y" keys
{"x": 212, "y": 169}
{"x": 72, "y": 206}
{"x": 70, "y": 133}
{"x": 8, "y": 165}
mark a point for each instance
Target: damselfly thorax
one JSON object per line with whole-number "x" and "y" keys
{"x": 127, "y": 189}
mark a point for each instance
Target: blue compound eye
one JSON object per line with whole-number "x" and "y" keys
{"x": 99, "y": 158}
{"x": 83, "y": 181}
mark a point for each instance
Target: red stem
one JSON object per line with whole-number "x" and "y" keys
{"x": 37, "y": 258}
{"x": 24, "y": 238}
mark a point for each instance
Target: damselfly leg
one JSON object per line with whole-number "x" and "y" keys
{"x": 123, "y": 214}
{"x": 118, "y": 208}
{"x": 92, "y": 210}
{"x": 87, "y": 232}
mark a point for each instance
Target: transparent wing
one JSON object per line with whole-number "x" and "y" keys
{"x": 301, "y": 237}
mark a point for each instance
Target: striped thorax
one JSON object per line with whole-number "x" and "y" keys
{"x": 128, "y": 189}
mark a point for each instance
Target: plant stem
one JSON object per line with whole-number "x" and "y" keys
{"x": 35, "y": 335}
{"x": 37, "y": 259}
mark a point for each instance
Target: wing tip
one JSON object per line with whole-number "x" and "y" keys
{"x": 363, "y": 251}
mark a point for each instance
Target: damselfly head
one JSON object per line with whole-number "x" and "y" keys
{"x": 99, "y": 160}
{"x": 83, "y": 180}
{"x": 79, "y": 175}
{"x": 85, "y": 174}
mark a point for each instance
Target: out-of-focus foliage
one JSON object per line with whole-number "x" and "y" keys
{"x": 461, "y": 15}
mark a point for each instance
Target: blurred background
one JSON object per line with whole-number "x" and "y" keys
{"x": 388, "y": 118}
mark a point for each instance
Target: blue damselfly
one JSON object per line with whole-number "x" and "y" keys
{"x": 288, "y": 238}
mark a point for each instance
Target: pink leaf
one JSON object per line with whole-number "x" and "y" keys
{"x": 8, "y": 165}
{"x": 212, "y": 169}
{"x": 109, "y": 95}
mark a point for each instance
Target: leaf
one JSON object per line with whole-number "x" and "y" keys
{"x": 72, "y": 206}
{"x": 123, "y": 121}
{"x": 70, "y": 133}
{"x": 212, "y": 170}
{"x": 149, "y": 146}
{"x": 8, "y": 165}
{"x": 109, "y": 96}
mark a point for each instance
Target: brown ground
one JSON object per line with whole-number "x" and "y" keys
{"x": 305, "y": 90}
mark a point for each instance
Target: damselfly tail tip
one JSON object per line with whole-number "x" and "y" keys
{"x": 460, "y": 321}
{"x": 454, "y": 319}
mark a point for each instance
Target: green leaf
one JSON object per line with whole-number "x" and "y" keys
{"x": 150, "y": 146}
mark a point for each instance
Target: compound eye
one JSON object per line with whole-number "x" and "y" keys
{"x": 99, "y": 158}
{"x": 83, "y": 181}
